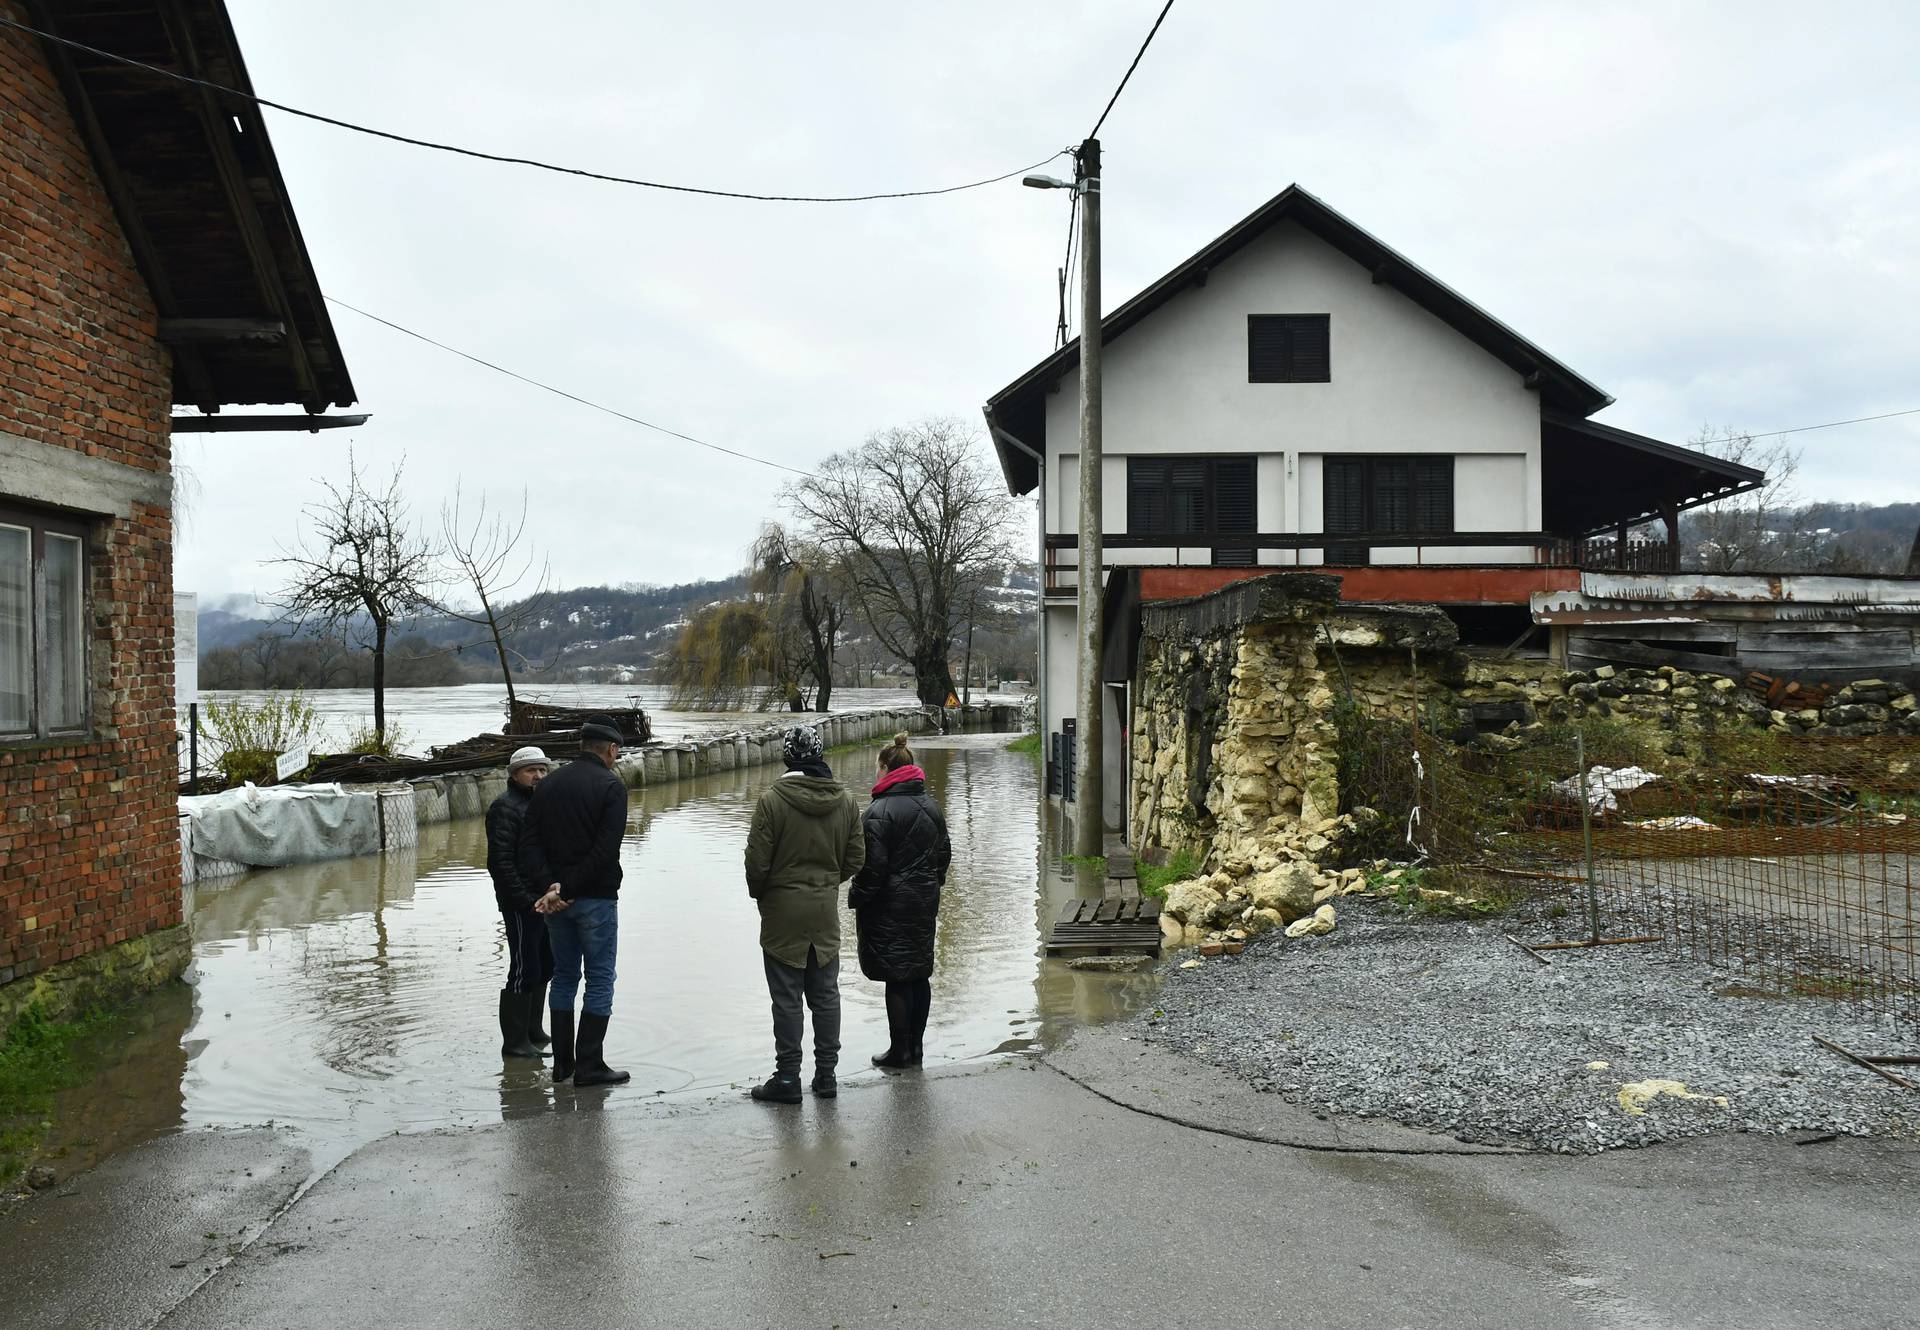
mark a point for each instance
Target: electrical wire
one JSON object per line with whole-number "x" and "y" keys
{"x": 1831, "y": 424}
{"x": 1064, "y": 327}
{"x": 256, "y": 100}
{"x": 562, "y": 392}
{"x": 1130, "y": 68}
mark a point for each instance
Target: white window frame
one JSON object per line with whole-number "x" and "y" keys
{"x": 40, "y": 524}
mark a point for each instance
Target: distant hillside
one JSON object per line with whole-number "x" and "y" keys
{"x": 600, "y": 628}
{"x": 1813, "y": 537}
{"x": 593, "y": 632}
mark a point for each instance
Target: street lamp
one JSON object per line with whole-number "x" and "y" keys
{"x": 1046, "y": 182}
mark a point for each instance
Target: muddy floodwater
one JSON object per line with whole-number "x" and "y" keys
{"x": 351, "y": 999}
{"x": 424, "y": 717}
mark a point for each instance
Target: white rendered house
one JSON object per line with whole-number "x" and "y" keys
{"x": 1299, "y": 395}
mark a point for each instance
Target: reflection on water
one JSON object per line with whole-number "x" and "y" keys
{"x": 356, "y": 998}
{"x": 132, "y": 1092}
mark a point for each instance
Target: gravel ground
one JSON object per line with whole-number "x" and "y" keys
{"x": 1445, "y": 1025}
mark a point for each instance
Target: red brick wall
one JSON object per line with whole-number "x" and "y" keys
{"x": 89, "y": 846}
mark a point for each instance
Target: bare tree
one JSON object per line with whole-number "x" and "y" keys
{"x": 1747, "y": 532}
{"x": 358, "y": 571}
{"x": 911, "y": 515}
{"x": 806, "y": 595}
{"x": 993, "y": 618}
{"x": 487, "y": 556}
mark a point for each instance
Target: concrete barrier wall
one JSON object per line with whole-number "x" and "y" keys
{"x": 437, "y": 799}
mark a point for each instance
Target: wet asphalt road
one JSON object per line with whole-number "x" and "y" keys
{"x": 1000, "y": 1196}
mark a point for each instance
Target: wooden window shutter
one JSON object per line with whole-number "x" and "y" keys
{"x": 1187, "y": 494}
{"x": 1344, "y": 507}
{"x": 1288, "y": 348}
{"x": 1146, "y": 495}
{"x": 1392, "y": 495}
{"x": 1236, "y": 503}
{"x": 1433, "y": 496}
{"x": 1235, "y": 508}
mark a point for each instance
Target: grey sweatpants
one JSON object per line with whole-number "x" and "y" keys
{"x": 819, "y": 986}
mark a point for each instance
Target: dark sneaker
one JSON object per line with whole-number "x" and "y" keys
{"x": 778, "y": 1090}
{"x": 825, "y": 1085}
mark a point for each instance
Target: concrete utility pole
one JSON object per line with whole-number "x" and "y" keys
{"x": 1090, "y": 818}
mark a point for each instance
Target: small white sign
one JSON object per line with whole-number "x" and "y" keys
{"x": 186, "y": 649}
{"x": 291, "y": 763}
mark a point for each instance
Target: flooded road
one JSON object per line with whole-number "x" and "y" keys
{"x": 356, "y": 998}
{"x": 424, "y": 717}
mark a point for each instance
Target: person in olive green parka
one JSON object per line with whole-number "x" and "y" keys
{"x": 804, "y": 842}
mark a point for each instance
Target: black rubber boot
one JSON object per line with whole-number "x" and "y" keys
{"x": 922, "y": 1008}
{"x": 899, "y": 1029}
{"x": 590, "y": 1065}
{"x": 562, "y": 1046}
{"x": 513, "y": 1026}
{"x": 536, "y": 1010}
{"x": 778, "y": 1089}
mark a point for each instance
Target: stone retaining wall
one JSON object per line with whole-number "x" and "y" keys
{"x": 1233, "y": 743}
{"x": 1233, "y": 739}
{"x": 403, "y": 809}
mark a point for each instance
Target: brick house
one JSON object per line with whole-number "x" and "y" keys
{"x": 149, "y": 259}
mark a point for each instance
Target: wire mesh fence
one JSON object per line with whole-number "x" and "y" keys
{"x": 1790, "y": 861}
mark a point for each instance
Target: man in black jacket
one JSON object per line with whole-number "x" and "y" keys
{"x": 523, "y": 1000}
{"x": 572, "y": 844}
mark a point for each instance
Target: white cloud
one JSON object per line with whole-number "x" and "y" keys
{"x": 1708, "y": 209}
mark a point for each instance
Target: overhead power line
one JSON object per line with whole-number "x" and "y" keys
{"x": 1129, "y": 74}
{"x": 562, "y": 392}
{"x": 337, "y": 123}
{"x": 1831, "y": 424}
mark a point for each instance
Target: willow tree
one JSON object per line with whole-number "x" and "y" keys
{"x": 804, "y": 593}
{"x": 912, "y": 516}
{"x": 719, "y": 655}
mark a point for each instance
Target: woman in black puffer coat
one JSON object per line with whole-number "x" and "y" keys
{"x": 896, "y": 898}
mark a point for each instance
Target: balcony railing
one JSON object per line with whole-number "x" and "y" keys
{"x": 1236, "y": 549}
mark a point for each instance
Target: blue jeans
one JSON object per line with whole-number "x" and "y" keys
{"x": 587, "y": 931}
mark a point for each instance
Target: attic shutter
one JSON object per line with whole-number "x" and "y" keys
{"x": 1235, "y": 508}
{"x": 1344, "y": 507}
{"x": 1433, "y": 496}
{"x": 1288, "y": 348}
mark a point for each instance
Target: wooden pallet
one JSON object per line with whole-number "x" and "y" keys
{"x": 1107, "y": 925}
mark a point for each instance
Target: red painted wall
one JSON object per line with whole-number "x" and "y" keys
{"x": 1433, "y": 584}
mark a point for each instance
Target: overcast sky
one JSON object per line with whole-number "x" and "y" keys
{"x": 1710, "y": 210}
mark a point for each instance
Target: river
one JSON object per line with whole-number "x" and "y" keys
{"x": 426, "y": 717}
{"x": 350, "y": 999}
